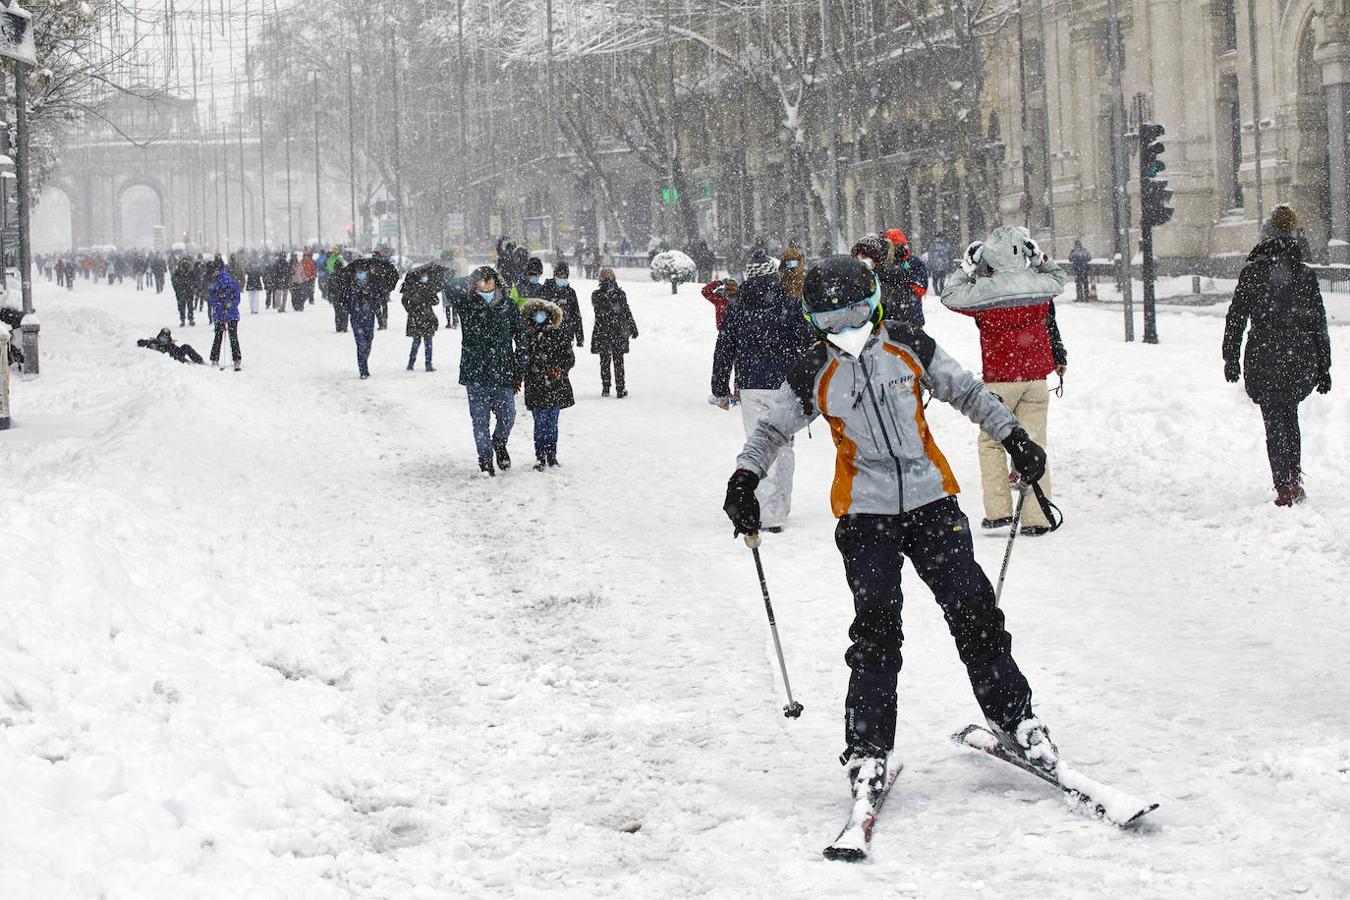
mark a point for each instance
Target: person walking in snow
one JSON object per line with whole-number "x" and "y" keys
{"x": 1288, "y": 348}
{"x": 1007, "y": 285}
{"x": 762, "y": 336}
{"x": 895, "y": 498}
{"x": 419, "y": 296}
{"x": 494, "y": 352}
{"x": 613, "y": 328}
{"x": 939, "y": 262}
{"x": 559, "y": 290}
{"x": 158, "y": 269}
{"x": 1079, "y": 258}
{"x": 548, "y": 389}
{"x": 336, "y": 291}
{"x": 363, "y": 299}
{"x": 277, "y": 280}
{"x": 792, "y": 271}
{"x": 223, "y": 307}
{"x": 531, "y": 284}
{"x": 185, "y": 291}
{"x": 253, "y": 280}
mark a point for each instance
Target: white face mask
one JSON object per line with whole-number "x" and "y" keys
{"x": 852, "y": 341}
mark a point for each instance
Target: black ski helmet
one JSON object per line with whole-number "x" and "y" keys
{"x": 836, "y": 281}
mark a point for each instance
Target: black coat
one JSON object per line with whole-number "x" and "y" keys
{"x": 277, "y": 276}
{"x": 184, "y": 283}
{"x": 422, "y": 321}
{"x": 566, "y": 300}
{"x": 614, "y": 323}
{"x": 1288, "y": 347}
{"x": 551, "y": 358}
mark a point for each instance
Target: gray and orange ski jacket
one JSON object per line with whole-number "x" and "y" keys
{"x": 886, "y": 461}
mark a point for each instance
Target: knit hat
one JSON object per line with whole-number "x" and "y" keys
{"x": 873, "y": 246}
{"x": 760, "y": 264}
{"x": 535, "y": 266}
{"x": 1283, "y": 220}
{"x": 560, "y": 270}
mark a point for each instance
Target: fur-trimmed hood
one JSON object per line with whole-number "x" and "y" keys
{"x": 535, "y": 304}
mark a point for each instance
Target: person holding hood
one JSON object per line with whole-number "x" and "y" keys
{"x": 762, "y": 336}
{"x": 1288, "y": 351}
{"x": 1008, "y": 285}
{"x": 721, "y": 294}
{"x": 548, "y": 390}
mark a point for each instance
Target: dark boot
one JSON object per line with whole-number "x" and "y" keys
{"x": 503, "y": 458}
{"x": 485, "y": 466}
{"x": 540, "y": 464}
{"x": 1001, "y": 522}
{"x": 553, "y": 460}
{"x": 1296, "y": 485}
{"x": 1285, "y": 495}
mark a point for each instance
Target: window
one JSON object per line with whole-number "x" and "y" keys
{"x": 1226, "y": 13}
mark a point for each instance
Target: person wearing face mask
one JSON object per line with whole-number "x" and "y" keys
{"x": 419, "y": 296}
{"x": 548, "y": 390}
{"x": 613, "y": 328}
{"x": 763, "y": 334}
{"x": 901, "y": 292}
{"x": 559, "y": 290}
{"x": 895, "y": 497}
{"x": 532, "y": 285}
{"x": 363, "y": 297}
{"x": 493, "y": 356}
{"x": 792, "y": 271}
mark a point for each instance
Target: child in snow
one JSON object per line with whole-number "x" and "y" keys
{"x": 548, "y": 390}
{"x": 164, "y": 343}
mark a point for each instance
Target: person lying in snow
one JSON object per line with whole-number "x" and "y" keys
{"x": 164, "y": 343}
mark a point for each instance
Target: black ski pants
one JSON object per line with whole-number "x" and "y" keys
{"x": 1284, "y": 439}
{"x": 606, "y": 360}
{"x": 233, "y": 328}
{"x": 937, "y": 540}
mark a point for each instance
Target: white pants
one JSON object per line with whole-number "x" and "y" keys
{"x": 253, "y": 301}
{"x": 775, "y": 488}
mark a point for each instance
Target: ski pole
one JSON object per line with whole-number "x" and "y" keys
{"x": 1012, "y": 536}
{"x": 793, "y": 708}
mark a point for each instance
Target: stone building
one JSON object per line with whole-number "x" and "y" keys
{"x": 1188, "y": 65}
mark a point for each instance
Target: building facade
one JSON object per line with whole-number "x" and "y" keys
{"x": 1187, "y": 66}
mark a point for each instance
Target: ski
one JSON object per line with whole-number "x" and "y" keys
{"x": 855, "y": 840}
{"x": 1093, "y": 797}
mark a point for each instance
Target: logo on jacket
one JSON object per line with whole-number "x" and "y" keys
{"x": 902, "y": 380}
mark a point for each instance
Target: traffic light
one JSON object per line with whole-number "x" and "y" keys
{"x": 1155, "y": 200}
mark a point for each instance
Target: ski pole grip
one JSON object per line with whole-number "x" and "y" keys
{"x": 752, "y": 540}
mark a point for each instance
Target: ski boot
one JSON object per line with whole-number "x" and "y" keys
{"x": 1030, "y": 740}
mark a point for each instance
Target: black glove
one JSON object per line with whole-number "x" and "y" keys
{"x": 741, "y": 506}
{"x": 1231, "y": 371}
{"x": 1324, "y": 383}
{"x": 634, "y": 334}
{"x": 1027, "y": 456}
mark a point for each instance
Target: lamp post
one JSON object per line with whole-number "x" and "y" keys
{"x": 1120, "y": 177}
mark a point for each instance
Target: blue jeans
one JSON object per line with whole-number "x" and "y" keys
{"x": 484, "y": 402}
{"x": 546, "y": 432}
{"x": 412, "y": 354}
{"x": 364, "y": 332}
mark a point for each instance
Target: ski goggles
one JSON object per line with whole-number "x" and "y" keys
{"x": 846, "y": 318}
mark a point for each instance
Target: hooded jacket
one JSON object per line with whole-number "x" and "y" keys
{"x": 418, "y": 300}
{"x": 566, "y": 299}
{"x": 886, "y": 461}
{"x": 763, "y": 333}
{"x": 1288, "y": 347}
{"x": 223, "y": 299}
{"x": 551, "y": 358}
{"x": 614, "y": 325}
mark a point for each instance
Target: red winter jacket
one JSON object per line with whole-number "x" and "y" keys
{"x": 1019, "y": 344}
{"x": 717, "y": 299}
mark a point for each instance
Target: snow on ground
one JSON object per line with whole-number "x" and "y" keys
{"x": 267, "y": 634}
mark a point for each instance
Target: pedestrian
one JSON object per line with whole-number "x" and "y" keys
{"x": 363, "y": 300}
{"x": 1288, "y": 348}
{"x": 158, "y": 269}
{"x": 494, "y": 351}
{"x": 253, "y": 281}
{"x": 761, "y": 338}
{"x": 721, "y": 294}
{"x": 532, "y": 284}
{"x": 559, "y": 290}
{"x": 548, "y": 389}
{"x": 939, "y": 261}
{"x": 792, "y": 271}
{"x": 337, "y": 290}
{"x": 1009, "y": 290}
{"x": 895, "y": 498}
{"x": 1079, "y": 257}
{"x": 613, "y": 328}
{"x": 298, "y": 283}
{"x": 277, "y": 280}
{"x": 164, "y": 343}
{"x": 419, "y": 296}
{"x": 382, "y": 303}
{"x": 904, "y": 280}
{"x": 223, "y": 307}
{"x": 184, "y": 282}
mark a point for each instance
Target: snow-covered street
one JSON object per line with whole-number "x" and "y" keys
{"x": 269, "y": 634}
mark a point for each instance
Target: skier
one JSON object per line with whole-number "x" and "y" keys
{"x": 164, "y": 343}
{"x": 223, "y": 306}
{"x": 184, "y": 291}
{"x": 493, "y": 355}
{"x": 613, "y": 328}
{"x": 1288, "y": 349}
{"x": 559, "y": 290}
{"x": 894, "y": 496}
{"x": 1007, "y": 285}
{"x": 762, "y": 336}
{"x": 548, "y": 390}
